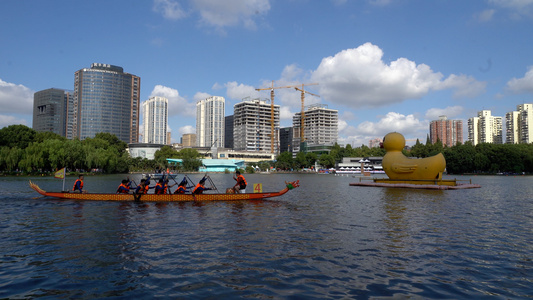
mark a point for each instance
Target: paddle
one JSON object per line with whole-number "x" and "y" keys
{"x": 212, "y": 183}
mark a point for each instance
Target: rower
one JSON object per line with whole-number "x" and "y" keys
{"x": 200, "y": 188}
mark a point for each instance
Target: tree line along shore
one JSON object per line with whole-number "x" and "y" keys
{"x": 24, "y": 151}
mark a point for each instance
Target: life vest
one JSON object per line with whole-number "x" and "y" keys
{"x": 122, "y": 188}
{"x": 165, "y": 188}
{"x": 76, "y": 182}
{"x": 181, "y": 190}
{"x": 142, "y": 189}
{"x": 198, "y": 189}
{"x": 159, "y": 189}
{"x": 241, "y": 181}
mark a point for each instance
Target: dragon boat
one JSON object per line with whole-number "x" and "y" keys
{"x": 164, "y": 197}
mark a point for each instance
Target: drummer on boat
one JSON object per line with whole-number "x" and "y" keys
{"x": 240, "y": 186}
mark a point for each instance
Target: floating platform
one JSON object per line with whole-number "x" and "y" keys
{"x": 418, "y": 184}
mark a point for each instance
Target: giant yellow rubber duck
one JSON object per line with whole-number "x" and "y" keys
{"x": 399, "y": 167}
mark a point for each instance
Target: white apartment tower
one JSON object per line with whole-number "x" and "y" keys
{"x": 485, "y": 128}
{"x": 320, "y": 126}
{"x": 155, "y": 118}
{"x": 519, "y": 125}
{"x": 252, "y": 126}
{"x": 210, "y": 122}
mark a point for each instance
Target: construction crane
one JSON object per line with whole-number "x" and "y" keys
{"x": 302, "y": 116}
{"x": 272, "y": 88}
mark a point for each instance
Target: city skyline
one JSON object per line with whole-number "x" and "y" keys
{"x": 384, "y": 65}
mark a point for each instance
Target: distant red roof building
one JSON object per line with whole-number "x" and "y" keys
{"x": 449, "y": 132}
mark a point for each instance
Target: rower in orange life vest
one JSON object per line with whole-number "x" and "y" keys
{"x": 240, "y": 186}
{"x": 182, "y": 187}
{"x": 200, "y": 188}
{"x": 78, "y": 185}
{"x": 160, "y": 187}
{"x": 143, "y": 187}
{"x": 124, "y": 187}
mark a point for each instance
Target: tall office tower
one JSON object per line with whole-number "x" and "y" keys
{"x": 51, "y": 111}
{"x": 485, "y": 128}
{"x": 252, "y": 126}
{"x": 210, "y": 122}
{"x": 320, "y": 126}
{"x": 189, "y": 140}
{"x": 106, "y": 100}
{"x": 228, "y": 132}
{"x": 285, "y": 139}
{"x": 512, "y": 127}
{"x": 449, "y": 132}
{"x": 155, "y": 120}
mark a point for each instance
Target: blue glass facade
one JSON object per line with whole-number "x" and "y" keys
{"x": 107, "y": 100}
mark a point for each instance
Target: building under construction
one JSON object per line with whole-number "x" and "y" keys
{"x": 321, "y": 127}
{"x": 252, "y": 121}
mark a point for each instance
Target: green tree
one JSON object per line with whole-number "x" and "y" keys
{"x": 300, "y": 160}
{"x": 284, "y": 161}
{"x": 17, "y": 136}
{"x": 326, "y": 160}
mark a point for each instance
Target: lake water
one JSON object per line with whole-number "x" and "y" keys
{"x": 325, "y": 239}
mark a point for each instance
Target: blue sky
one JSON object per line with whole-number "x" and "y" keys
{"x": 385, "y": 65}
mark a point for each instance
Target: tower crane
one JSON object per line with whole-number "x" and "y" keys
{"x": 302, "y": 116}
{"x": 272, "y": 88}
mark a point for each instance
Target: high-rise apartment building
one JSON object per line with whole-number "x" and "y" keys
{"x": 485, "y": 128}
{"x": 320, "y": 126}
{"x": 449, "y": 132}
{"x": 155, "y": 120}
{"x": 512, "y": 126}
{"x": 519, "y": 125}
{"x": 210, "y": 122}
{"x": 51, "y": 111}
{"x": 252, "y": 125}
{"x": 106, "y": 99}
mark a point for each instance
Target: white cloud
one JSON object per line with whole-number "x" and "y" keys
{"x": 220, "y": 14}
{"x": 240, "y": 91}
{"x": 201, "y": 96}
{"x": 464, "y": 86}
{"x": 360, "y": 78}
{"x": 170, "y": 9}
{"x": 186, "y": 129}
{"x": 486, "y": 15}
{"x": 513, "y": 4}
{"x": 450, "y": 112}
{"x": 291, "y": 72}
{"x": 517, "y": 9}
{"x": 15, "y": 98}
{"x": 216, "y": 13}
{"x": 286, "y": 115}
{"x": 411, "y": 127}
{"x": 6, "y": 120}
{"x": 177, "y": 105}
{"x": 522, "y": 85}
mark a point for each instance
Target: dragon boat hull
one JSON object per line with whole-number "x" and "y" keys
{"x": 161, "y": 198}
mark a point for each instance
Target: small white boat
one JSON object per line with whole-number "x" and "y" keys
{"x": 160, "y": 175}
